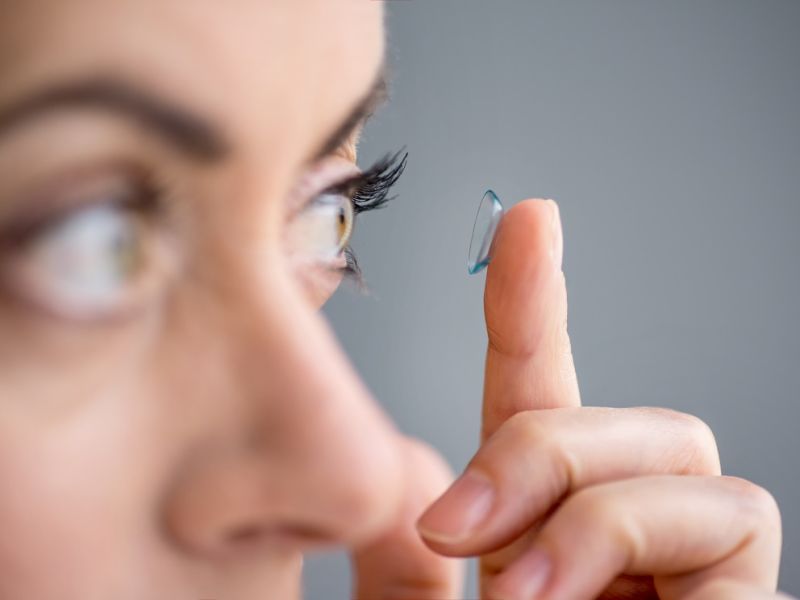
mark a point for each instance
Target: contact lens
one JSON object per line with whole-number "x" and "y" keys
{"x": 490, "y": 211}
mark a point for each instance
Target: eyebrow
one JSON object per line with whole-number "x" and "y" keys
{"x": 363, "y": 110}
{"x": 188, "y": 132}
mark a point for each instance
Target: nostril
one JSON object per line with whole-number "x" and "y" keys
{"x": 253, "y": 534}
{"x": 245, "y": 534}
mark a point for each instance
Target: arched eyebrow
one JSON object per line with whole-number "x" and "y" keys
{"x": 190, "y": 133}
{"x": 361, "y": 111}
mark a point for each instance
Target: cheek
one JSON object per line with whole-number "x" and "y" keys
{"x": 315, "y": 282}
{"x": 66, "y": 507}
{"x": 83, "y": 456}
{"x": 321, "y": 287}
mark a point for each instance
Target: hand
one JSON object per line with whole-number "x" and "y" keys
{"x": 564, "y": 501}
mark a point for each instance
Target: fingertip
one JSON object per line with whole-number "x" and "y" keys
{"x": 525, "y": 258}
{"x": 529, "y": 233}
{"x": 557, "y": 236}
{"x": 459, "y": 512}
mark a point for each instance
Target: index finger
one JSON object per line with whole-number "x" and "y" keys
{"x": 529, "y": 361}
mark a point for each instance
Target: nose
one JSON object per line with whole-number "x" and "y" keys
{"x": 287, "y": 446}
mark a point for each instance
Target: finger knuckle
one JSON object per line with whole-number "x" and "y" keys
{"x": 603, "y": 514}
{"x": 528, "y": 430}
{"x": 664, "y": 415}
{"x": 540, "y": 448}
{"x": 537, "y": 431}
{"x": 594, "y": 505}
{"x": 716, "y": 589}
{"x": 702, "y": 440}
{"x": 701, "y": 453}
{"x": 599, "y": 509}
{"x": 755, "y": 503}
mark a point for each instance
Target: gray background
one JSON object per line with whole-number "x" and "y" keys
{"x": 669, "y": 133}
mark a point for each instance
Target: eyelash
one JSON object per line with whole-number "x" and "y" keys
{"x": 369, "y": 190}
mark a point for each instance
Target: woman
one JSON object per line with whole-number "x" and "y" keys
{"x": 177, "y": 186}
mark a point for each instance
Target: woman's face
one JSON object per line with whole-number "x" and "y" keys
{"x": 177, "y": 419}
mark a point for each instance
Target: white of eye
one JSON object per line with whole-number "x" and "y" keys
{"x": 87, "y": 263}
{"x": 322, "y": 229}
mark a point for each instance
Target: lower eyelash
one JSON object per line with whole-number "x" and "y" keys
{"x": 352, "y": 270}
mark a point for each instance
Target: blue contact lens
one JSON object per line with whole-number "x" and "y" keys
{"x": 488, "y": 218}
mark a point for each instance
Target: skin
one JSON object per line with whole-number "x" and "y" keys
{"x": 127, "y": 475}
{"x": 198, "y": 436}
{"x": 589, "y": 502}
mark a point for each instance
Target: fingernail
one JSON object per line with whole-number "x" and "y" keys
{"x": 456, "y": 515}
{"x": 526, "y": 578}
{"x": 557, "y": 239}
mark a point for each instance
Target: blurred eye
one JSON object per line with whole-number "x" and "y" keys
{"x": 323, "y": 227}
{"x": 95, "y": 261}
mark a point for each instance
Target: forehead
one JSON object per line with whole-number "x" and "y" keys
{"x": 278, "y": 70}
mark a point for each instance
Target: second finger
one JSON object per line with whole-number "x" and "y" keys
{"x": 685, "y": 531}
{"x": 537, "y": 457}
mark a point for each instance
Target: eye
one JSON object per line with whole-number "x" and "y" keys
{"x": 321, "y": 216}
{"x": 95, "y": 261}
{"x": 323, "y": 227}
{"x": 319, "y": 231}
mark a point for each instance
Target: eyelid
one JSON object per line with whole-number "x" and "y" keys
{"x": 368, "y": 189}
{"x": 346, "y": 187}
{"x": 159, "y": 262}
{"x": 324, "y": 177}
{"x": 121, "y": 185}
